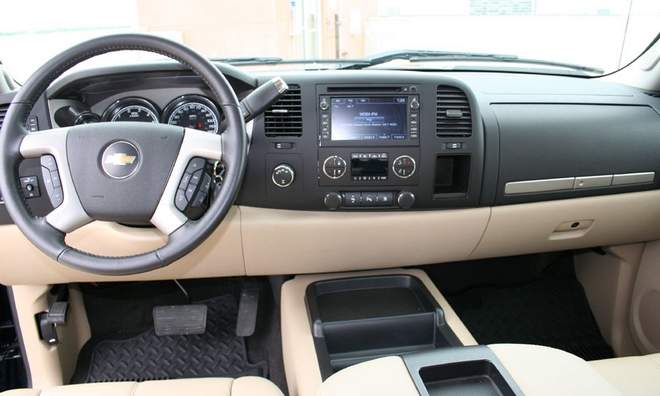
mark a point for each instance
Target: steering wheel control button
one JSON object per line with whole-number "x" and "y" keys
{"x": 196, "y": 177}
{"x": 334, "y": 167}
{"x": 51, "y": 179}
{"x": 48, "y": 161}
{"x": 120, "y": 160}
{"x": 30, "y": 186}
{"x": 194, "y": 186}
{"x": 180, "y": 200}
{"x": 195, "y": 164}
{"x": 404, "y": 166}
{"x": 283, "y": 175}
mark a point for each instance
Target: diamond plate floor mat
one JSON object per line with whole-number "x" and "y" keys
{"x": 216, "y": 353}
{"x": 549, "y": 311}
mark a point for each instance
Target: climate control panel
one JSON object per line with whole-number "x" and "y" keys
{"x": 369, "y": 199}
{"x": 384, "y": 167}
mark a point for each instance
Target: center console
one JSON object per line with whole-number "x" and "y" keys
{"x": 369, "y": 146}
{"x": 391, "y": 332}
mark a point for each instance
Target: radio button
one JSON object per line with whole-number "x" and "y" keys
{"x": 352, "y": 199}
{"x": 334, "y": 167}
{"x": 404, "y": 166}
{"x": 405, "y": 199}
{"x": 385, "y": 199}
{"x": 332, "y": 200}
{"x": 324, "y": 104}
{"x": 369, "y": 199}
{"x": 414, "y": 103}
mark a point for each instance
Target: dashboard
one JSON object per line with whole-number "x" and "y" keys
{"x": 398, "y": 140}
{"x": 463, "y": 164}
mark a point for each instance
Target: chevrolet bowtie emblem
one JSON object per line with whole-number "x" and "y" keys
{"x": 120, "y": 159}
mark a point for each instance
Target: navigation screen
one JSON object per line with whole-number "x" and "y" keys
{"x": 369, "y": 118}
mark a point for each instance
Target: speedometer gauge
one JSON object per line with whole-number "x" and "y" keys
{"x": 193, "y": 111}
{"x": 131, "y": 109}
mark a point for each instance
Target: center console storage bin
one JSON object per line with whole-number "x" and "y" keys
{"x": 358, "y": 319}
{"x": 460, "y": 371}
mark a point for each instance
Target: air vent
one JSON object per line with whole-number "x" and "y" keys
{"x": 284, "y": 118}
{"x": 453, "y": 116}
{"x": 3, "y": 112}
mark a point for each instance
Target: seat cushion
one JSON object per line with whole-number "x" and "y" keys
{"x": 244, "y": 386}
{"x": 632, "y": 375}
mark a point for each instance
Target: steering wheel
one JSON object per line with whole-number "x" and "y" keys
{"x": 124, "y": 171}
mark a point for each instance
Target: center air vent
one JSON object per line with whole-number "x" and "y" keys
{"x": 3, "y": 112}
{"x": 284, "y": 117}
{"x": 453, "y": 116}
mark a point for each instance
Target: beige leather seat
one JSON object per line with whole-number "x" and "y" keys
{"x": 633, "y": 375}
{"x": 245, "y": 386}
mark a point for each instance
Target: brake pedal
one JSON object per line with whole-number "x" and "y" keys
{"x": 180, "y": 319}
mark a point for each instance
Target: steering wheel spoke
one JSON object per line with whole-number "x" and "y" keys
{"x": 196, "y": 144}
{"x": 68, "y": 214}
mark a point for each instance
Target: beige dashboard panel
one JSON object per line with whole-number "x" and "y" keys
{"x": 297, "y": 242}
{"x": 542, "y": 226}
{"x": 219, "y": 255}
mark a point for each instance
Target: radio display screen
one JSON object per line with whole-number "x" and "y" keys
{"x": 369, "y": 118}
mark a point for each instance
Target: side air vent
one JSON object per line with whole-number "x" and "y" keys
{"x": 284, "y": 117}
{"x": 453, "y": 116}
{"x": 3, "y": 112}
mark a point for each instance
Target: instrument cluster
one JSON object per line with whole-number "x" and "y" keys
{"x": 188, "y": 111}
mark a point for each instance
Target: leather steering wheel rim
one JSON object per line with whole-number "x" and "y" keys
{"x": 183, "y": 239}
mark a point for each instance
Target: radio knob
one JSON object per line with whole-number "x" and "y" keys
{"x": 324, "y": 104}
{"x": 334, "y": 167}
{"x": 404, "y": 166}
{"x": 283, "y": 175}
{"x": 405, "y": 199}
{"x": 332, "y": 200}
{"x": 414, "y": 103}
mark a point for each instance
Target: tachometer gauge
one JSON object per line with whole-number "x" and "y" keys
{"x": 131, "y": 109}
{"x": 193, "y": 111}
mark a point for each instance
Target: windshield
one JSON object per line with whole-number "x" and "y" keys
{"x": 602, "y": 35}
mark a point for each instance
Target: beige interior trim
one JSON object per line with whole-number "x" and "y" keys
{"x": 296, "y": 242}
{"x": 632, "y": 375}
{"x": 220, "y": 255}
{"x": 544, "y": 371}
{"x": 536, "y": 370}
{"x": 300, "y": 361}
{"x": 608, "y": 283}
{"x": 244, "y": 386}
{"x": 50, "y": 365}
{"x": 386, "y": 376}
{"x": 258, "y": 241}
{"x": 537, "y": 227}
{"x": 645, "y": 302}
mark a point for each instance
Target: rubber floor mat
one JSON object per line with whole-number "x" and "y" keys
{"x": 216, "y": 353}
{"x": 551, "y": 311}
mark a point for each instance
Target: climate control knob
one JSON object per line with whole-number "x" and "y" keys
{"x": 332, "y": 200}
{"x": 405, "y": 199}
{"x": 334, "y": 167}
{"x": 283, "y": 175}
{"x": 404, "y": 166}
